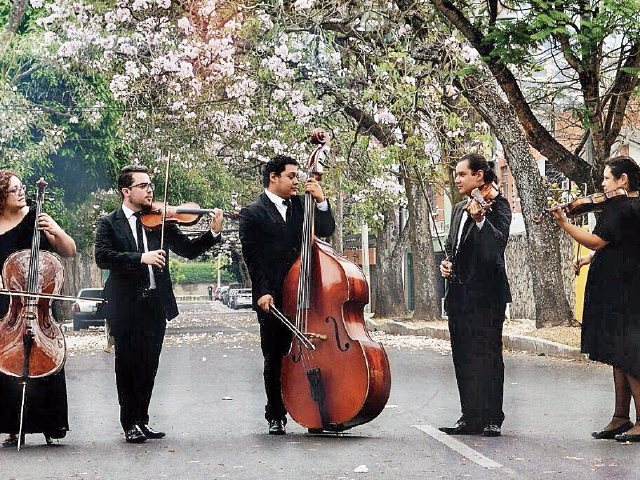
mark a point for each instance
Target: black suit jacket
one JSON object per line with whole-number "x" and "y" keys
{"x": 479, "y": 260}
{"x": 270, "y": 246}
{"x": 116, "y": 251}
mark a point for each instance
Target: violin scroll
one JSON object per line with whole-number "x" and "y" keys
{"x": 484, "y": 197}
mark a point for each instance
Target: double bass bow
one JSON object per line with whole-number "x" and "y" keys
{"x": 32, "y": 344}
{"x": 344, "y": 379}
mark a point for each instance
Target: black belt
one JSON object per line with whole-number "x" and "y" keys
{"x": 149, "y": 292}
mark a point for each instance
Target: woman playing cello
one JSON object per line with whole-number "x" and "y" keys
{"x": 611, "y": 320}
{"x": 46, "y": 410}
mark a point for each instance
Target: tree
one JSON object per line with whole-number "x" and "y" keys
{"x": 596, "y": 46}
{"x": 577, "y": 38}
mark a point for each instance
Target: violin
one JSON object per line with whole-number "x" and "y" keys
{"x": 186, "y": 214}
{"x": 581, "y": 206}
{"x": 484, "y": 197}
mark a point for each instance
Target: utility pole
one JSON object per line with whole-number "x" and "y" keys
{"x": 218, "y": 270}
{"x": 365, "y": 261}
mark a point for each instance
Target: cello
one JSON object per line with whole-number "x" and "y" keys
{"x": 339, "y": 377}
{"x": 32, "y": 344}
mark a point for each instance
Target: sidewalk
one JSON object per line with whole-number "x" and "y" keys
{"x": 510, "y": 339}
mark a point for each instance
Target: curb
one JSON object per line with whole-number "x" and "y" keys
{"x": 537, "y": 346}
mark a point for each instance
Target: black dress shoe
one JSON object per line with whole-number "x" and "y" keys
{"x": 610, "y": 434}
{"x": 134, "y": 435}
{"x": 276, "y": 427}
{"x": 492, "y": 430}
{"x": 625, "y": 437}
{"x": 150, "y": 432}
{"x": 462, "y": 428}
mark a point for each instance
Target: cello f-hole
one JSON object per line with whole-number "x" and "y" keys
{"x": 296, "y": 357}
{"x": 337, "y": 334}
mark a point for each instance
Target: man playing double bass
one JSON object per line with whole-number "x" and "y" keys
{"x": 271, "y": 234}
{"x": 139, "y": 293}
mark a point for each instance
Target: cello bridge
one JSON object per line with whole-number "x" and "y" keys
{"x": 319, "y": 336}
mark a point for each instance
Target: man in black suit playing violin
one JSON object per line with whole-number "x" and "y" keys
{"x": 476, "y": 299}
{"x": 271, "y": 234}
{"x": 139, "y": 293}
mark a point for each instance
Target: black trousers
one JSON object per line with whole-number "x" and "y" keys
{"x": 275, "y": 342}
{"x": 138, "y": 345}
{"x": 476, "y": 345}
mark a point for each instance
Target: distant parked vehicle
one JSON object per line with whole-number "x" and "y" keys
{"x": 230, "y": 294}
{"x": 240, "y": 298}
{"x": 224, "y": 291}
{"x": 216, "y": 293}
{"x": 87, "y": 312}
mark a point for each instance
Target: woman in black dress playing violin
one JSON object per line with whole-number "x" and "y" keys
{"x": 611, "y": 318}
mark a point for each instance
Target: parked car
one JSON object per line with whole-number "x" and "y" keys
{"x": 87, "y": 312}
{"x": 216, "y": 293}
{"x": 224, "y": 291}
{"x": 230, "y": 294}
{"x": 241, "y": 298}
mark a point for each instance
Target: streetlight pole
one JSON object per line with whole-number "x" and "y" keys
{"x": 365, "y": 261}
{"x": 218, "y": 270}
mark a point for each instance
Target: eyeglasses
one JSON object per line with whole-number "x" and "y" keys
{"x": 300, "y": 176}
{"x": 144, "y": 186}
{"x": 18, "y": 190}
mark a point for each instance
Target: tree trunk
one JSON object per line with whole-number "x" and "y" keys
{"x": 337, "y": 208}
{"x": 551, "y": 305}
{"x": 427, "y": 305}
{"x": 390, "y": 247}
{"x": 11, "y": 27}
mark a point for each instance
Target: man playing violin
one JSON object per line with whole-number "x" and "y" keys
{"x": 140, "y": 294}
{"x": 476, "y": 298}
{"x": 271, "y": 234}
{"x": 611, "y": 318}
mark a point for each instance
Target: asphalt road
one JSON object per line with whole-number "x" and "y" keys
{"x": 209, "y": 399}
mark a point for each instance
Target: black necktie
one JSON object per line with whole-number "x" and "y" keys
{"x": 287, "y": 203}
{"x": 140, "y": 239}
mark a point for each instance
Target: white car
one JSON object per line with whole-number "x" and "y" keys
{"x": 241, "y": 298}
{"x": 87, "y": 312}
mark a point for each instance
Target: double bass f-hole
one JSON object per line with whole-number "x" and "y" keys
{"x": 337, "y": 334}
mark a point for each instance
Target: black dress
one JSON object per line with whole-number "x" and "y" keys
{"x": 46, "y": 399}
{"x": 611, "y": 320}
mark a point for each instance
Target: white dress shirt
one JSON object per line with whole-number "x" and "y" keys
{"x": 282, "y": 208}
{"x": 131, "y": 218}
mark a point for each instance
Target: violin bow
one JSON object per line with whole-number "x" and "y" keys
{"x": 431, "y": 214}
{"x": 164, "y": 210}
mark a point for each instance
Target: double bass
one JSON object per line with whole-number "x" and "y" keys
{"x": 336, "y": 377}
